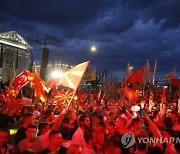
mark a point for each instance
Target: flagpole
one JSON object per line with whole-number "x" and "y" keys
{"x": 154, "y": 73}
{"x": 71, "y": 99}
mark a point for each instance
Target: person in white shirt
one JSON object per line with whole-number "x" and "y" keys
{"x": 78, "y": 136}
{"x": 90, "y": 141}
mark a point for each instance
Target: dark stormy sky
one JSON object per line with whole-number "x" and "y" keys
{"x": 122, "y": 30}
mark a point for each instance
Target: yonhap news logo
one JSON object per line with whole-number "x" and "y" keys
{"x": 127, "y": 140}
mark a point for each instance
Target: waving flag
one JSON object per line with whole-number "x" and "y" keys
{"x": 130, "y": 94}
{"x": 22, "y": 79}
{"x": 65, "y": 97}
{"x": 38, "y": 84}
{"x": 73, "y": 76}
{"x": 11, "y": 92}
{"x": 90, "y": 75}
{"x": 170, "y": 75}
{"x": 137, "y": 76}
{"x": 175, "y": 82}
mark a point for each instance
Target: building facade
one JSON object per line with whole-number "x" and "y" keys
{"x": 14, "y": 50}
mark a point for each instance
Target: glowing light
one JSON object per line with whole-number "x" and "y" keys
{"x": 57, "y": 74}
{"x": 13, "y": 131}
{"x": 93, "y": 48}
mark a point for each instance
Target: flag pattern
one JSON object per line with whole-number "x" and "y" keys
{"x": 64, "y": 97}
{"x": 22, "y": 79}
{"x": 72, "y": 77}
{"x": 130, "y": 94}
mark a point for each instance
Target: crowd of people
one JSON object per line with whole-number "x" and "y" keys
{"x": 92, "y": 126}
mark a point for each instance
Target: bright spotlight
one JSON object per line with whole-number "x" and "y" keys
{"x": 57, "y": 74}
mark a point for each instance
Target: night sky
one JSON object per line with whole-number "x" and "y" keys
{"x": 122, "y": 30}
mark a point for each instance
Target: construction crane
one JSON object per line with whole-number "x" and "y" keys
{"x": 43, "y": 42}
{"x": 48, "y": 37}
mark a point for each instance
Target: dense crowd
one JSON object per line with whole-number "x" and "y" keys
{"x": 91, "y": 126}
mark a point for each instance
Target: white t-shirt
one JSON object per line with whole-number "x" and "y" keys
{"x": 78, "y": 137}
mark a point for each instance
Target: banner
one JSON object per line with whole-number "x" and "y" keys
{"x": 90, "y": 75}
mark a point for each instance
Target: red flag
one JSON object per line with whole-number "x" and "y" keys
{"x": 175, "y": 82}
{"x": 137, "y": 76}
{"x": 22, "y": 79}
{"x": 73, "y": 76}
{"x": 38, "y": 85}
{"x": 130, "y": 94}
{"x": 10, "y": 91}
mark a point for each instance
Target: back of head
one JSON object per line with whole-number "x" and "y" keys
{"x": 42, "y": 126}
{"x": 52, "y": 133}
{"x": 65, "y": 132}
{"x": 26, "y": 116}
{"x": 177, "y": 144}
{"x": 168, "y": 122}
{"x": 48, "y": 112}
{"x": 31, "y": 126}
{"x": 112, "y": 145}
{"x": 135, "y": 121}
{"x": 139, "y": 138}
{"x": 5, "y": 130}
{"x": 74, "y": 149}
